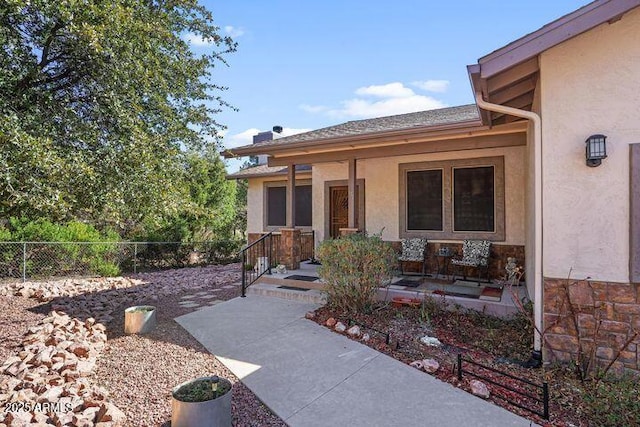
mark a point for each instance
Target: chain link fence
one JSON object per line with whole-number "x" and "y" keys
{"x": 37, "y": 260}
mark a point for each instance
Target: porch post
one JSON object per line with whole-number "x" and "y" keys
{"x": 352, "y": 194}
{"x": 291, "y": 196}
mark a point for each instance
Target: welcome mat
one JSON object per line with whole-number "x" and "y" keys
{"x": 302, "y": 277}
{"x": 408, "y": 283}
{"x": 293, "y": 288}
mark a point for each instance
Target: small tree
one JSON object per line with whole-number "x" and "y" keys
{"x": 353, "y": 267}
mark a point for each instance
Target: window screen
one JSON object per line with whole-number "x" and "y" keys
{"x": 303, "y": 205}
{"x": 424, "y": 200}
{"x": 473, "y": 199}
{"x": 277, "y": 206}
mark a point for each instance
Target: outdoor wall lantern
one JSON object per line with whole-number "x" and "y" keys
{"x": 596, "y": 150}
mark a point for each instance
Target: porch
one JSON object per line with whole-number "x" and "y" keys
{"x": 303, "y": 284}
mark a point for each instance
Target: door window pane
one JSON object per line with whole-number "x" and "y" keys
{"x": 424, "y": 200}
{"x": 474, "y": 199}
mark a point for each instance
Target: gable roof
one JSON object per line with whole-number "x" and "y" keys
{"x": 363, "y": 128}
{"x": 509, "y": 75}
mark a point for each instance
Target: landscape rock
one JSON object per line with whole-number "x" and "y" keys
{"x": 430, "y": 365}
{"x": 340, "y": 327}
{"x": 480, "y": 389}
{"x": 430, "y": 341}
{"x": 310, "y": 315}
{"x": 331, "y": 322}
{"x": 366, "y": 337}
{"x": 354, "y": 331}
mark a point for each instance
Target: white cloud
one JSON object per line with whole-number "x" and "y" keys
{"x": 240, "y": 139}
{"x": 289, "y": 132}
{"x": 196, "y": 40}
{"x": 439, "y": 86}
{"x": 379, "y": 101}
{"x": 390, "y": 90}
{"x": 246, "y": 137}
{"x": 234, "y": 31}
{"x": 363, "y": 108}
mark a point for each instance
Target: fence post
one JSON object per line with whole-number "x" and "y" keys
{"x": 545, "y": 400}
{"x": 270, "y": 252}
{"x": 459, "y": 366}
{"x": 24, "y": 262}
{"x": 135, "y": 258}
{"x": 244, "y": 274}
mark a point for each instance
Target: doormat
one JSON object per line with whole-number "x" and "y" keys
{"x": 491, "y": 294}
{"x": 301, "y": 277}
{"x": 408, "y": 283}
{"x": 454, "y": 290}
{"x": 293, "y": 288}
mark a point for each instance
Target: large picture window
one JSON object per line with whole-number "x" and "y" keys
{"x": 276, "y": 205}
{"x": 457, "y": 199}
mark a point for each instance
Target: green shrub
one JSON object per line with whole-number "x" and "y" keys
{"x": 353, "y": 267}
{"x": 614, "y": 401}
{"x": 98, "y": 256}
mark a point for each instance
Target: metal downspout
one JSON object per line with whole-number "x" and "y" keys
{"x": 537, "y": 257}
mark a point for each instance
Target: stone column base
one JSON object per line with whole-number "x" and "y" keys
{"x": 291, "y": 248}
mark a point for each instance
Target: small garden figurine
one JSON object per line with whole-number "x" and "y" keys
{"x": 514, "y": 271}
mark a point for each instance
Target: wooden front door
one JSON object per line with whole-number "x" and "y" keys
{"x": 339, "y": 209}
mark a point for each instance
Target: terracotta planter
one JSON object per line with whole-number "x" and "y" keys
{"x": 215, "y": 412}
{"x": 139, "y": 319}
{"x": 402, "y": 301}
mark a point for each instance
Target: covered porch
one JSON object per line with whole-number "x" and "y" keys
{"x": 304, "y": 284}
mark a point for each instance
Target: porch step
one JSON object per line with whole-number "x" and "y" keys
{"x": 313, "y": 296}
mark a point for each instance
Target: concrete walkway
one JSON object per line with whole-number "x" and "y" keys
{"x": 311, "y": 376}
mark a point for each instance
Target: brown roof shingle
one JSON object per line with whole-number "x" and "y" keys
{"x": 427, "y": 118}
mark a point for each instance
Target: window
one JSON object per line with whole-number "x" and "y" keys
{"x": 457, "y": 199}
{"x": 424, "y": 200}
{"x": 276, "y": 205}
{"x": 473, "y": 199}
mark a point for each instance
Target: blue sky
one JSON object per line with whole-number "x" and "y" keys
{"x": 306, "y": 65}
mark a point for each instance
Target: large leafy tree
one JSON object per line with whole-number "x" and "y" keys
{"x": 99, "y": 100}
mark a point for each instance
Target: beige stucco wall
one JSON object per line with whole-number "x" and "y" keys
{"x": 382, "y": 190}
{"x": 255, "y": 200}
{"x": 589, "y": 85}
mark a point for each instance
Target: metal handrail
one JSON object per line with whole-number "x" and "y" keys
{"x": 252, "y": 253}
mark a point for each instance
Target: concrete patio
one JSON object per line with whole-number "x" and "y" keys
{"x": 272, "y": 285}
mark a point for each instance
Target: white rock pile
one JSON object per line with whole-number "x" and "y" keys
{"x": 48, "y": 383}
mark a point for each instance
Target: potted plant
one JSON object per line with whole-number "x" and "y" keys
{"x": 205, "y": 401}
{"x": 139, "y": 319}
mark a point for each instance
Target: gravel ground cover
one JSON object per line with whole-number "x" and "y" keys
{"x": 138, "y": 371}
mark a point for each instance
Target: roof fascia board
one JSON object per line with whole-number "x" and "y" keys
{"x": 434, "y": 146}
{"x": 266, "y": 175}
{"x": 569, "y": 26}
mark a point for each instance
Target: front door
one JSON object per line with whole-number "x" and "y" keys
{"x": 339, "y": 209}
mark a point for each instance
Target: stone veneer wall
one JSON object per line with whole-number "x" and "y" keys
{"x": 497, "y": 261}
{"x": 607, "y": 316}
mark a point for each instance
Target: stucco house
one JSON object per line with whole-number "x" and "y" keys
{"x": 513, "y": 168}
